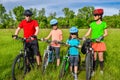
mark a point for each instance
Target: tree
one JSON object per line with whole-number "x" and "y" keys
{"x": 18, "y": 12}
{"x": 2, "y": 14}
{"x": 86, "y": 14}
{"x": 69, "y": 14}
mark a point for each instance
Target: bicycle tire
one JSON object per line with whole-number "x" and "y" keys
{"x": 18, "y": 67}
{"x": 45, "y": 62}
{"x": 88, "y": 63}
{"x": 63, "y": 69}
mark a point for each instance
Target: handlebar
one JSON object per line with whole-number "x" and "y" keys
{"x": 49, "y": 41}
{"x": 21, "y": 38}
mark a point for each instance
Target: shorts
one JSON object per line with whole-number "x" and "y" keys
{"x": 99, "y": 46}
{"x": 57, "y": 51}
{"x": 74, "y": 60}
{"x": 33, "y": 47}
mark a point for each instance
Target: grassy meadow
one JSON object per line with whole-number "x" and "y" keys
{"x": 9, "y": 48}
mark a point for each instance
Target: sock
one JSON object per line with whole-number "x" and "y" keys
{"x": 94, "y": 65}
{"x": 101, "y": 65}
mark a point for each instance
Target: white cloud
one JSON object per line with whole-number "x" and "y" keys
{"x": 57, "y": 5}
{"x": 7, "y": 1}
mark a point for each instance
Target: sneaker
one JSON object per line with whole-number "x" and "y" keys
{"x": 75, "y": 77}
{"x": 93, "y": 73}
{"x": 101, "y": 72}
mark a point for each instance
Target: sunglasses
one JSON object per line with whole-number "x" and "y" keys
{"x": 28, "y": 16}
{"x": 95, "y": 14}
{"x": 54, "y": 25}
{"x": 73, "y": 33}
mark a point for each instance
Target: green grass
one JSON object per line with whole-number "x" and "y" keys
{"x": 9, "y": 48}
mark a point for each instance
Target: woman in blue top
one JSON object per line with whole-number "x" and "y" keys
{"x": 74, "y": 44}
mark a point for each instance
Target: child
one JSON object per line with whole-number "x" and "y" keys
{"x": 56, "y": 35}
{"x": 73, "y": 43}
{"x": 98, "y": 32}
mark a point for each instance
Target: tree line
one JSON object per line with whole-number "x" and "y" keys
{"x": 82, "y": 19}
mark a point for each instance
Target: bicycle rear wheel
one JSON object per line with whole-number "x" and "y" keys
{"x": 89, "y": 67}
{"x": 45, "y": 61}
{"x": 18, "y": 68}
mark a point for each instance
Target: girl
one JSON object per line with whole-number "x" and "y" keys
{"x": 98, "y": 30}
{"x": 56, "y": 35}
{"x": 73, "y": 43}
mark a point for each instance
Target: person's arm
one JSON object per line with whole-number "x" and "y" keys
{"x": 105, "y": 33}
{"x": 48, "y": 36}
{"x": 88, "y": 32}
{"x": 17, "y": 31}
{"x": 37, "y": 31}
{"x": 61, "y": 37}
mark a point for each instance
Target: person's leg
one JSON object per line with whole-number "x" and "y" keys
{"x": 75, "y": 72}
{"x": 38, "y": 59}
{"x": 57, "y": 51}
{"x": 35, "y": 49}
{"x": 76, "y": 59}
{"x": 94, "y": 61}
{"x": 71, "y": 65}
{"x": 101, "y": 60}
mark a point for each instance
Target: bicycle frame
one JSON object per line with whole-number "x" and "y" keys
{"x": 66, "y": 58}
{"x": 25, "y": 57}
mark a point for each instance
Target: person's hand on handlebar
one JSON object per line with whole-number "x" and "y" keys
{"x": 83, "y": 38}
{"x": 14, "y": 36}
{"x": 55, "y": 41}
{"x": 33, "y": 37}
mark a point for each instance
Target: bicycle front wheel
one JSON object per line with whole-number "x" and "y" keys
{"x": 64, "y": 68}
{"x": 45, "y": 61}
{"x": 88, "y": 66}
{"x": 18, "y": 68}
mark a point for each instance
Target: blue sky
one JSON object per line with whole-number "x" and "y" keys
{"x": 110, "y": 6}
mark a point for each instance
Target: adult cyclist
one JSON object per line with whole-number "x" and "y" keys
{"x": 98, "y": 30}
{"x": 30, "y": 29}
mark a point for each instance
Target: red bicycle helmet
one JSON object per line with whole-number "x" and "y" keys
{"x": 98, "y": 12}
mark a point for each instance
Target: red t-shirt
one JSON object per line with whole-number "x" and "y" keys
{"x": 28, "y": 27}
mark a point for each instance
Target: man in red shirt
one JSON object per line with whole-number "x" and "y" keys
{"x": 30, "y": 28}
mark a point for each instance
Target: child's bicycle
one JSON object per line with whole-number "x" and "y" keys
{"x": 88, "y": 50}
{"x": 66, "y": 63}
{"x": 49, "y": 55}
{"x": 64, "y": 66}
{"x": 23, "y": 62}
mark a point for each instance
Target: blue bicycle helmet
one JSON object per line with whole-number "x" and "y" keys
{"x": 53, "y": 22}
{"x": 73, "y": 29}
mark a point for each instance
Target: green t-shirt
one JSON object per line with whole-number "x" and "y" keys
{"x": 97, "y": 29}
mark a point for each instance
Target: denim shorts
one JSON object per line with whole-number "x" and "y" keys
{"x": 57, "y": 51}
{"x": 74, "y": 60}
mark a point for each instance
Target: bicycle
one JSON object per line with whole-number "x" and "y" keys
{"x": 64, "y": 66}
{"x": 66, "y": 63}
{"x": 49, "y": 55}
{"x": 23, "y": 62}
{"x": 88, "y": 50}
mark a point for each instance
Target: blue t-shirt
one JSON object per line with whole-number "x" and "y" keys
{"x": 73, "y": 50}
